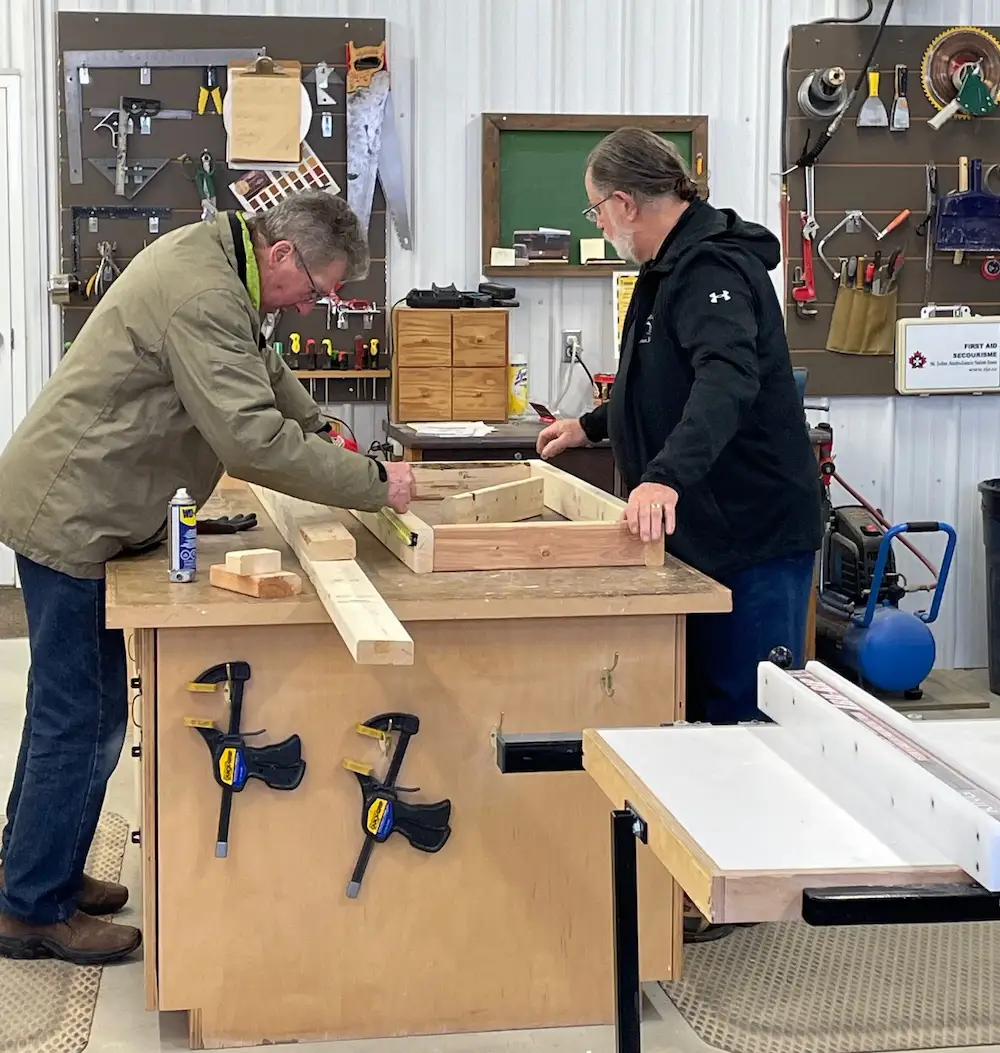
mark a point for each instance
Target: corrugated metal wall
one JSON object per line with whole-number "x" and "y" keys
{"x": 453, "y": 59}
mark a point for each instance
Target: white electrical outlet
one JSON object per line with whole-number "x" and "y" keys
{"x": 571, "y": 338}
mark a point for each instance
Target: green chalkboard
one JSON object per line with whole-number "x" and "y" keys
{"x": 541, "y": 181}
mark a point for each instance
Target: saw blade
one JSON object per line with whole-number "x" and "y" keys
{"x": 391, "y": 175}
{"x": 948, "y": 54}
{"x": 365, "y": 114}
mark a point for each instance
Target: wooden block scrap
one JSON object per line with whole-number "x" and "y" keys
{"x": 328, "y": 540}
{"x": 253, "y": 561}
{"x": 269, "y": 586}
{"x": 504, "y": 503}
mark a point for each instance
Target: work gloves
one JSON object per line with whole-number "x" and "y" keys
{"x": 228, "y": 524}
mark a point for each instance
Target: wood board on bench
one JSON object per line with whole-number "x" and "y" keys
{"x": 503, "y": 515}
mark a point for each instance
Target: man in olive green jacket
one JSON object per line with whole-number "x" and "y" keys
{"x": 168, "y": 385}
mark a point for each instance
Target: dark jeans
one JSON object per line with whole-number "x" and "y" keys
{"x": 74, "y": 728}
{"x": 770, "y": 603}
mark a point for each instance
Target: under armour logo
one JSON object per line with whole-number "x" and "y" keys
{"x": 715, "y": 297}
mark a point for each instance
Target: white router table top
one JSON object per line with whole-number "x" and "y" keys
{"x": 747, "y": 817}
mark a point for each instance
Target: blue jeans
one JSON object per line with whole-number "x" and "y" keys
{"x": 74, "y": 728}
{"x": 770, "y": 603}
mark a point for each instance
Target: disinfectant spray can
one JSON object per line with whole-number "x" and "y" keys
{"x": 182, "y": 536}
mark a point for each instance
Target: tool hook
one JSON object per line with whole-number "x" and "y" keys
{"x": 607, "y": 681}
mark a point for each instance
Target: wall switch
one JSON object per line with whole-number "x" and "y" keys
{"x": 571, "y": 338}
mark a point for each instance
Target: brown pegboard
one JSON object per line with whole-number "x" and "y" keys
{"x": 308, "y": 40}
{"x": 880, "y": 172}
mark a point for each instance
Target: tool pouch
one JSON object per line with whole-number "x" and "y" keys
{"x": 863, "y": 322}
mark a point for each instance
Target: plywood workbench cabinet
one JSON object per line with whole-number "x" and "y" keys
{"x": 509, "y": 925}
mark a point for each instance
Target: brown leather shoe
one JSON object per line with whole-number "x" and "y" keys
{"x": 101, "y": 897}
{"x": 81, "y": 940}
{"x": 95, "y": 897}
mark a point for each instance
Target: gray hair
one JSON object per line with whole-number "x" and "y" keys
{"x": 642, "y": 164}
{"x": 320, "y": 225}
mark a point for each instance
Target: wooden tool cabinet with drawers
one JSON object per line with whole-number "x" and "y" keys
{"x": 449, "y": 364}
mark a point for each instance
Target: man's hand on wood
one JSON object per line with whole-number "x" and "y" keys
{"x": 651, "y": 511}
{"x": 401, "y": 485}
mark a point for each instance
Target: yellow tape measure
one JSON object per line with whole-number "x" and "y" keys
{"x": 397, "y": 524}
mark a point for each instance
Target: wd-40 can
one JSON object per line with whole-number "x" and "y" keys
{"x": 182, "y": 536}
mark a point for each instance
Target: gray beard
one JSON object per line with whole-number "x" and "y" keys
{"x": 624, "y": 245}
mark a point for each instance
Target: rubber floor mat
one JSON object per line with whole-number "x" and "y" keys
{"x": 789, "y": 988}
{"x": 48, "y": 1006}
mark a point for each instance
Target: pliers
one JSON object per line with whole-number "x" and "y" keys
{"x": 209, "y": 86}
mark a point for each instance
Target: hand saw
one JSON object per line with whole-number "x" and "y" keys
{"x": 373, "y": 148}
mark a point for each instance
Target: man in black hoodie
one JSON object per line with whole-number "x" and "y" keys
{"x": 705, "y": 421}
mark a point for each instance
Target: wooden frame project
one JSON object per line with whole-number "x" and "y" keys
{"x": 509, "y": 515}
{"x": 496, "y": 123}
{"x": 487, "y": 516}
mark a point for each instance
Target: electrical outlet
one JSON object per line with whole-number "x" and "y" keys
{"x": 569, "y": 338}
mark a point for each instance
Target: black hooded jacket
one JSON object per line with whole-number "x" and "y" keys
{"x": 704, "y": 400}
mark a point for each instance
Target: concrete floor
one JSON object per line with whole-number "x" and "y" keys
{"x": 121, "y": 1024}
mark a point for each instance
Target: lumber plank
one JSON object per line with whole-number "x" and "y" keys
{"x": 419, "y": 557}
{"x": 270, "y": 585}
{"x": 246, "y": 561}
{"x": 328, "y": 540}
{"x": 582, "y": 501}
{"x": 369, "y": 629}
{"x": 442, "y": 478}
{"x": 322, "y": 534}
{"x": 533, "y": 546}
{"x": 574, "y": 498}
{"x": 503, "y": 503}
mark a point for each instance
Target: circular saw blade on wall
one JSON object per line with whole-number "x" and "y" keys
{"x": 947, "y": 56}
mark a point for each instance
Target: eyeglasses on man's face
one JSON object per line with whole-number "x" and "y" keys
{"x": 591, "y": 211}
{"x": 316, "y": 293}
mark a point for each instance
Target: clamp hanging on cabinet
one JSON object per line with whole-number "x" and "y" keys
{"x": 278, "y": 765}
{"x": 425, "y": 826}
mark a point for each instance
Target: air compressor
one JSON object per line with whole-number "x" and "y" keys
{"x": 859, "y": 624}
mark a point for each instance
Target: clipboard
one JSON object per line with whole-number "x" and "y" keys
{"x": 265, "y": 109}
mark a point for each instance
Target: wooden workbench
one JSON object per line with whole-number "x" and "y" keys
{"x": 509, "y": 925}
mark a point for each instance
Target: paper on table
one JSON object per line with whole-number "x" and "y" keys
{"x": 265, "y": 113}
{"x": 453, "y": 429}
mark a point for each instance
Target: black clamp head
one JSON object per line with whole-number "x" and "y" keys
{"x": 224, "y": 673}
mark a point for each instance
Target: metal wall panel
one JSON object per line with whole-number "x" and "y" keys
{"x": 453, "y": 59}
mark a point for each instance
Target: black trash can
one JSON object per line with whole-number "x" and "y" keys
{"x": 989, "y": 491}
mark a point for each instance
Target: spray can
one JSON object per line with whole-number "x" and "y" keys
{"x": 182, "y": 536}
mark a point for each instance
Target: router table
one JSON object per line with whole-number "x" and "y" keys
{"x": 510, "y": 924}
{"x": 841, "y": 812}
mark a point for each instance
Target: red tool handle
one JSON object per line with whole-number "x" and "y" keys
{"x": 901, "y": 218}
{"x": 359, "y": 352}
{"x": 806, "y": 292}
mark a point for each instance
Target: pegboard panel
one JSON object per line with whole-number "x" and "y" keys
{"x": 307, "y": 40}
{"x": 880, "y": 172}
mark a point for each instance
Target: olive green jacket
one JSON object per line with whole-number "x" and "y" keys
{"x": 165, "y": 386}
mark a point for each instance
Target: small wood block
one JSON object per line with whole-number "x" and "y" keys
{"x": 269, "y": 586}
{"x": 253, "y": 561}
{"x": 503, "y": 503}
{"x": 330, "y": 540}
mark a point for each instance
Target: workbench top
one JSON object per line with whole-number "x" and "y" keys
{"x": 140, "y": 596}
